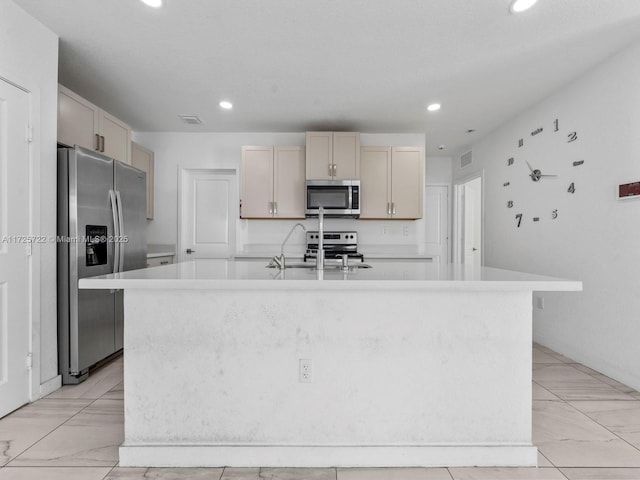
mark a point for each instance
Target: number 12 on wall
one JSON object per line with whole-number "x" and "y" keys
{"x": 519, "y": 218}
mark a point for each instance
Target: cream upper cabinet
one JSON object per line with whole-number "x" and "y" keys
{"x": 407, "y": 182}
{"x": 272, "y": 182}
{"x": 143, "y": 159}
{"x": 392, "y": 182}
{"x": 82, "y": 123}
{"x": 115, "y": 137}
{"x": 333, "y": 155}
{"x": 78, "y": 120}
{"x": 256, "y": 197}
{"x": 375, "y": 182}
{"x": 288, "y": 182}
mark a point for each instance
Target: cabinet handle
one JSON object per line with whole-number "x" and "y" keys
{"x": 275, "y": 208}
{"x": 97, "y": 143}
{"x": 270, "y": 208}
{"x": 331, "y": 169}
{"x": 335, "y": 170}
{"x": 388, "y": 208}
{"x": 165, "y": 262}
{"x": 393, "y": 208}
{"x": 102, "y": 138}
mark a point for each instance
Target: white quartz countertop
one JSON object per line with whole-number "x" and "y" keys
{"x": 387, "y": 275}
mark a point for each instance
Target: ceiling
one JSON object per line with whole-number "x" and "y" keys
{"x": 363, "y": 65}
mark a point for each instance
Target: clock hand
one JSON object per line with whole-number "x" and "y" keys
{"x": 530, "y": 167}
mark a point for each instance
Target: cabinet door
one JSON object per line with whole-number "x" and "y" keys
{"x": 375, "y": 182}
{"x": 288, "y": 182}
{"x": 117, "y": 138}
{"x": 159, "y": 261}
{"x": 346, "y": 155}
{"x": 319, "y": 152}
{"x": 257, "y": 182}
{"x": 78, "y": 120}
{"x": 407, "y": 182}
{"x": 143, "y": 159}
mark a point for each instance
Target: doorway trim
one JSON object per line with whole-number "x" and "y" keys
{"x": 458, "y": 216}
{"x": 36, "y": 389}
{"x": 183, "y": 173}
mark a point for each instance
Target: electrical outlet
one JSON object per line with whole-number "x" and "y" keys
{"x": 385, "y": 230}
{"x": 405, "y": 231}
{"x": 540, "y": 302}
{"x": 305, "y": 370}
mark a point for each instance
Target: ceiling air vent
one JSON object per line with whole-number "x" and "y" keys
{"x": 466, "y": 159}
{"x": 191, "y": 119}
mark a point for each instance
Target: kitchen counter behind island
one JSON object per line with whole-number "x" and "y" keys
{"x": 411, "y": 365}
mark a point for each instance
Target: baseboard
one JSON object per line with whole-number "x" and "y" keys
{"x": 50, "y": 386}
{"x": 324, "y": 456}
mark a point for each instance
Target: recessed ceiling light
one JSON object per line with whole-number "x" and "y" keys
{"x": 518, "y": 6}
{"x": 226, "y": 105}
{"x": 434, "y": 107}
{"x": 153, "y": 3}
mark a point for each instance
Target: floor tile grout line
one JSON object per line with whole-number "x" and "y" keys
{"x": 604, "y": 426}
{"x": 53, "y": 430}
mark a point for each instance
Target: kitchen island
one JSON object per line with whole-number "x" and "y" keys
{"x": 229, "y": 363}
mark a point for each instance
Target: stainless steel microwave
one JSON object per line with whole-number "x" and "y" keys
{"x": 340, "y": 198}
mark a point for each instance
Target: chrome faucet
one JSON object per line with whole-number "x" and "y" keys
{"x": 320, "y": 254}
{"x": 280, "y": 261}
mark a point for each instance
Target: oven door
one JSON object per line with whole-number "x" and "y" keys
{"x": 334, "y": 196}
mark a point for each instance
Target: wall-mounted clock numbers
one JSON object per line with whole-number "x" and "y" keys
{"x": 544, "y": 169}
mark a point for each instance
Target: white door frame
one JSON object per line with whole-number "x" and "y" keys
{"x": 447, "y": 218}
{"x": 183, "y": 173}
{"x": 24, "y": 83}
{"x": 458, "y": 216}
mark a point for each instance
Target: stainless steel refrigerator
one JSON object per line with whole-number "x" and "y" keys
{"x": 102, "y": 230}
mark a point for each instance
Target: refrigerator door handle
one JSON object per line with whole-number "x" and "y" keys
{"x": 120, "y": 236}
{"x": 116, "y": 231}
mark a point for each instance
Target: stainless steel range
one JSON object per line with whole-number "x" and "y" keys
{"x": 336, "y": 244}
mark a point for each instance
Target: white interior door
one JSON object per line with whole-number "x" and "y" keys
{"x": 473, "y": 221}
{"x": 436, "y": 214}
{"x": 14, "y": 262}
{"x": 209, "y": 208}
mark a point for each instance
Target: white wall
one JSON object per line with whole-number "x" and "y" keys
{"x": 29, "y": 57}
{"x": 439, "y": 170}
{"x": 222, "y": 150}
{"x": 596, "y": 237}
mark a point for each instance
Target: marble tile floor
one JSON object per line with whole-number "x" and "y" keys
{"x": 585, "y": 425}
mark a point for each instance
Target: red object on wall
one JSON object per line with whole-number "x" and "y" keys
{"x": 629, "y": 190}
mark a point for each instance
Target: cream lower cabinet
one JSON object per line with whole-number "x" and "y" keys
{"x": 391, "y": 182}
{"x": 273, "y": 180}
{"x": 159, "y": 261}
{"x": 143, "y": 159}
{"x": 82, "y": 123}
{"x": 333, "y": 155}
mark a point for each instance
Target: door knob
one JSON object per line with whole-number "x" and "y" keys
{"x": 189, "y": 251}
{"x": 474, "y": 249}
